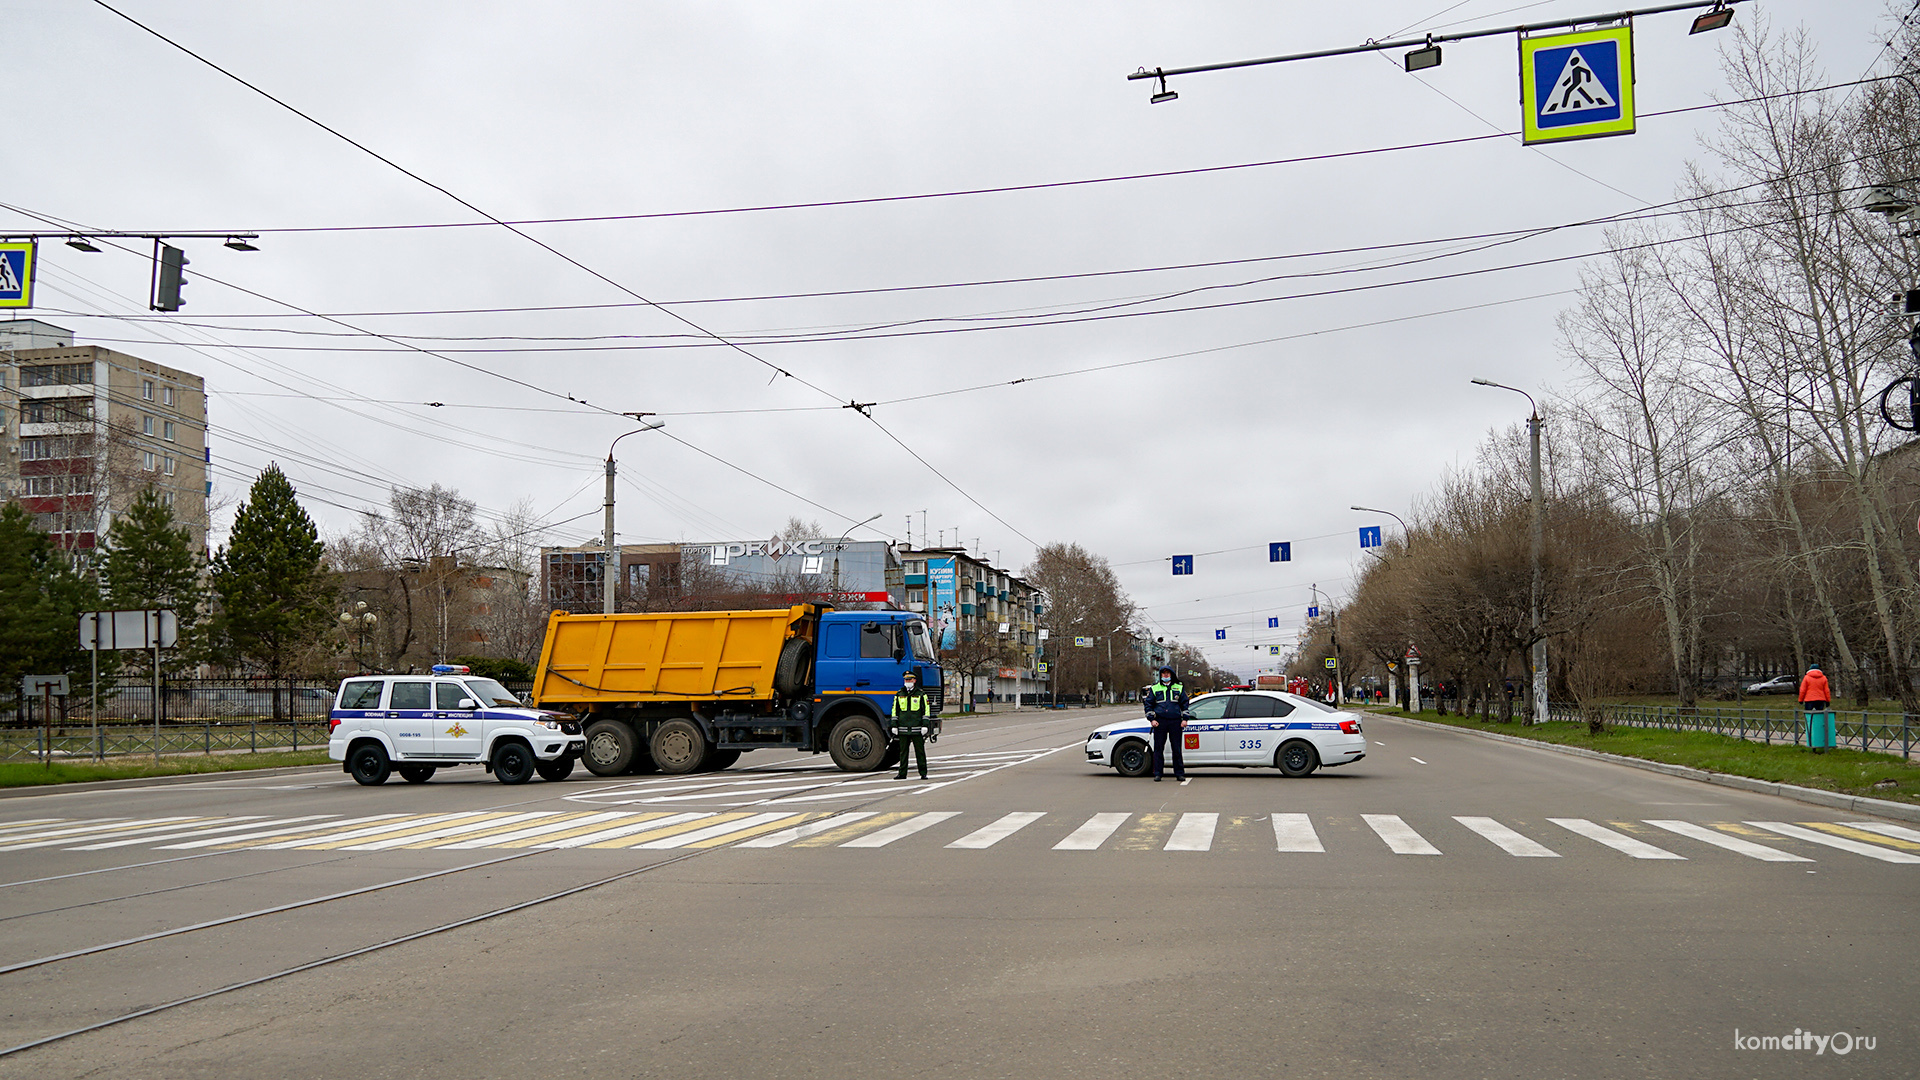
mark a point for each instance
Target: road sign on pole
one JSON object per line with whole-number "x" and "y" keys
{"x": 1370, "y": 536}
{"x": 1313, "y": 613}
{"x": 1577, "y": 85}
{"x": 1182, "y": 564}
{"x": 1220, "y": 635}
{"x": 19, "y": 265}
{"x": 1273, "y": 623}
{"x": 1280, "y": 552}
{"x": 149, "y": 629}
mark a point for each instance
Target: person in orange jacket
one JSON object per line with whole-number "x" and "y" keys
{"x": 1814, "y": 692}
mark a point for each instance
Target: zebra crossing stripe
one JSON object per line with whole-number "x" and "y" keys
{"x": 196, "y": 832}
{"x": 432, "y": 837}
{"x": 1871, "y": 851}
{"x": 811, "y": 828}
{"x": 1871, "y": 836}
{"x": 66, "y": 834}
{"x": 1508, "y": 840}
{"x": 279, "y": 830}
{"x": 988, "y": 835}
{"x": 1896, "y": 832}
{"x": 782, "y": 820}
{"x": 338, "y": 839}
{"x": 525, "y": 835}
{"x": 1193, "y": 833}
{"x": 852, "y": 828}
{"x": 1091, "y": 835}
{"x": 903, "y": 829}
{"x": 601, "y": 829}
{"x": 1730, "y": 843}
{"x": 1294, "y": 832}
{"x": 1399, "y": 836}
{"x": 717, "y": 831}
{"x": 1620, "y": 842}
{"x": 672, "y": 825}
{"x": 36, "y": 823}
{"x": 405, "y": 829}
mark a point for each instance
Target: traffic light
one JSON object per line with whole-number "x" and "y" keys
{"x": 169, "y": 265}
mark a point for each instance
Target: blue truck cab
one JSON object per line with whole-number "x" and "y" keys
{"x": 860, "y": 658}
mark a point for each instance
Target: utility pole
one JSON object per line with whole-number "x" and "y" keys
{"x": 1538, "y": 659}
{"x": 610, "y": 567}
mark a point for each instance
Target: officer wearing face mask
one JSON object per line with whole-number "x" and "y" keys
{"x": 913, "y": 720}
{"x": 1166, "y": 703}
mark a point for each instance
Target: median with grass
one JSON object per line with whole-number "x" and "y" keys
{"x": 1847, "y": 772}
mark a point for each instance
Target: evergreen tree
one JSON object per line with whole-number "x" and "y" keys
{"x": 41, "y": 599}
{"x": 273, "y": 592}
{"x": 149, "y": 562}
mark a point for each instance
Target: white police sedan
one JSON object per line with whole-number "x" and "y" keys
{"x": 1243, "y": 729}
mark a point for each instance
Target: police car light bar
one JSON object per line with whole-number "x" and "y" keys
{"x": 452, "y": 669}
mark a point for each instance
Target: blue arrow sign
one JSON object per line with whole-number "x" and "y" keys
{"x": 1273, "y": 623}
{"x": 1220, "y": 635}
{"x": 1280, "y": 552}
{"x": 1313, "y": 612}
{"x": 1182, "y": 564}
{"x": 1370, "y": 536}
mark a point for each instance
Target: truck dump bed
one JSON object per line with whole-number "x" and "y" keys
{"x": 665, "y": 656}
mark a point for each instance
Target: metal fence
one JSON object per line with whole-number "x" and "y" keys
{"x": 1885, "y": 732}
{"x": 80, "y": 743}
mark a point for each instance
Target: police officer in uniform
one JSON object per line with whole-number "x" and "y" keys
{"x": 1166, "y": 704}
{"x": 913, "y": 720}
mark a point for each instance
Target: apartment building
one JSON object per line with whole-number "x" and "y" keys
{"x": 84, "y": 429}
{"x": 970, "y": 602}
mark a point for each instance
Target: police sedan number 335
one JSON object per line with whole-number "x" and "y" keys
{"x": 1251, "y": 729}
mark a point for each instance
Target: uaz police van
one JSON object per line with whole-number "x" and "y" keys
{"x": 421, "y": 723}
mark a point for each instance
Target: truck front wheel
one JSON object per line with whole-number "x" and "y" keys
{"x": 611, "y": 746}
{"x": 857, "y": 744}
{"x": 679, "y": 746}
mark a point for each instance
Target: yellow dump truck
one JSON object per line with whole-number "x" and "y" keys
{"x": 678, "y": 692}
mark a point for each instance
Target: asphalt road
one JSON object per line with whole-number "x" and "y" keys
{"x": 1474, "y": 910}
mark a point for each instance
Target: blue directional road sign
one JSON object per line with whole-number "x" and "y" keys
{"x": 1273, "y": 623}
{"x": 1182, "y": 564}
{"x": 1370, "y": 536}
{"x": 1313, "y": 612}
{"x": 1220, "y": 635}
{"x": 1280, "y": 552}
{"x": 1577, "y": 85}
{"x": 18, "y": 267}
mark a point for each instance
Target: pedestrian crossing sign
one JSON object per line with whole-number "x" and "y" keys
{"x": 1577, "y": 85}
{"x": 18, "y": 266}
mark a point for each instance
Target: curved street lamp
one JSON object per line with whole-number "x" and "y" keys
{"x": 610, "y": 569}
{"x": 1539, "y": 642}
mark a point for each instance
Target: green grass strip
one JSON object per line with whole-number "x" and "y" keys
{"x": 20, "y": 774}
{"x": 1849, "y": 772}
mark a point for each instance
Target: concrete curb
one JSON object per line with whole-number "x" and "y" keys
{"x": 26, "y": 790}
{"x": 1858, "y": 804}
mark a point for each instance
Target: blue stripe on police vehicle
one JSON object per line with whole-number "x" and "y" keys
{"x": 1241, "y": 729}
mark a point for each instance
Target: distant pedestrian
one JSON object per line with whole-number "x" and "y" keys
{"x": 1166, "y": 703}
{"x": 1814, "y": 692}
{"x": 912, "y": 721}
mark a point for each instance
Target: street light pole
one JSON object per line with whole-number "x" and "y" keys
{"x": 1539, "y": 642}
{"x": 610, "y": 567}
{"x": 834, "y": 586}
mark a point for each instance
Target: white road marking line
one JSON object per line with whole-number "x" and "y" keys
{"x": 1812, "y": 836}
{"x": 619, "y": 831}
{"x": 1377, "y": 742}
{"x": 128, "y": 828}
{"x": 1193, "y": 833}
{"x": 1731, "y": 843}
{"x": 989, "y": 835}
{"x": 534, "y": 830}
{"x": 1091, "y": 835}
{"x": 100, "y": 826}
{"x": 450, "y": 831}
{"x": 35, "y": 823}
{"x": 1400, "y": 837}
{"x": 1506, "y": 839}
{"x": 811, "y": 828}
{"x": 405, "y": 821}
{"x": 283, "y": 830}
{"x": 902, "y": 829}
{"x": 195, "y": 833}
{"x": 1897, "y": 832}
{"x": 1416, "y": 759}
{"x": 1618, "y": 841}
{"x": 1294, "y": 832}
{"x": 711, "y": 831}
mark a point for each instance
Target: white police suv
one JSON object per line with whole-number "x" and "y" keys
{"x": 420, "y": 723}
{"x": 1243, "y": 729}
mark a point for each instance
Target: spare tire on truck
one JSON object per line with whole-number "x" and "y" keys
{"x": 794, "y": 670}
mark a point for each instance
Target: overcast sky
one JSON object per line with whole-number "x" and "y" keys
{"x": 1232, "y": 427}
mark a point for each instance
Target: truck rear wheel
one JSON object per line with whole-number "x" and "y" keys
{"x": 611, "y": 746}
{"x": 794, "y": 670}
{"x": 857, "y": 744}
{"x": 679, "y": 746}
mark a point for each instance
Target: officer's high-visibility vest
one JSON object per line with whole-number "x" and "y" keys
{"x": 910, "y": 710}
{"x": 1167, "y": 692}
